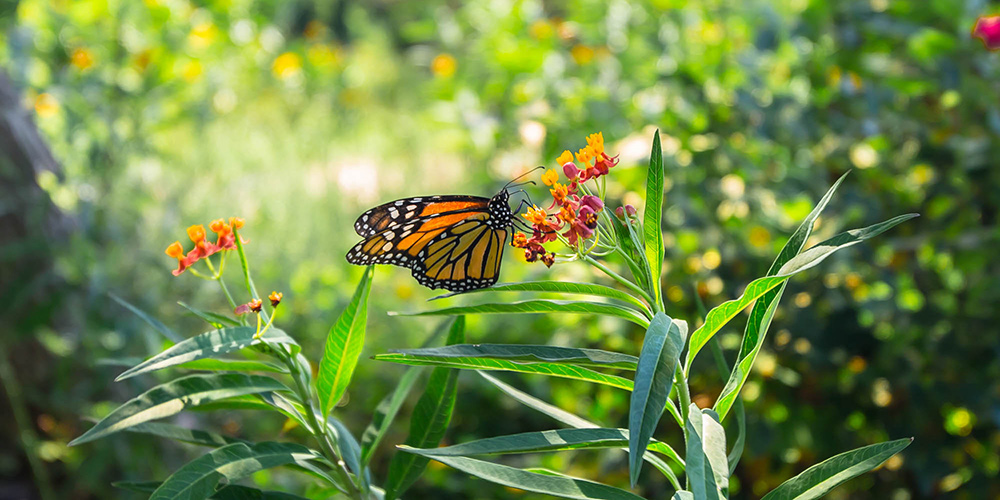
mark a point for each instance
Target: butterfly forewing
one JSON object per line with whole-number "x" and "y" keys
{"x": 387, "y": 215}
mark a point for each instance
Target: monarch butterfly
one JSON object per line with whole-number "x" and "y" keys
{"x": 453, "y": 242}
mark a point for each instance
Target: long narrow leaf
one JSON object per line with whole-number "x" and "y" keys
{"x": 207, "y": 345}
{"x": 198, "y": 479}
{"x": 661, "y": 350}
{"x": 819, "y": 479}
{"x": 521, "y": 353}
{"x": 557, "y": 287}
{"x": 183, "y": 434}
{"x": 343, "y": 347}
{"x": 232, "y": 365}
{"x": 215, "y": 319}
{"x": 231, "y": 492}
{"x": 560, "y": 486}
{"x": 707, "y": 467}
{"x": 633, "y": 249}
{"x": 149, "y": 320}
{"x": 760, "y": 320}
{"x": 652, "y": 214}
{"x": 350, "y": 452}
{"x": 726, "y": 311}
{"x": 171, "y": 398}
{"x": 539, "y": 306}
{"x": 429, "y": 421}
{"x": 572, "y": 420}
{"x": 550, "y": 369}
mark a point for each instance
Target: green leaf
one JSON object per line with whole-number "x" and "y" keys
{"x": 741, "y": 429}
{"x": 819, "y": 479}
{"x": 387, "y": 409}
{"x": 248, "y": 402}
{"x": 760, "y": 320}
{"x": 151, "y": 321}
{"x": 232, "y": 365}
{"x": 231, "y": 492}
{"x": 550, "y": 369}
{"x": 350, "y": 452}
{"x": 633, "y": 250}
{"x": 198, "y": 479}
{"x": 522, "y": 353}
{"x": 546, "y": 441}
{"x": 215, "y": 319}
{"x": 557, "y": 287}
{"x": 726, "y": 311}
{"x": 178, "y": 433}
{"x": 343, "y": 347}
{"x": 207, "y": 345}
{"x": 682, "y": 495}
{"x": 560, "y": 486}
{"x": 652, "y": 214}
{"x": 707, "y": 466}
{"x": 429, "y": 421}
{"x": 661, "y": 349}
{"x": 572, "y": 420}
{"x": 172, "y": 397}
{"x": 539, "y": 306}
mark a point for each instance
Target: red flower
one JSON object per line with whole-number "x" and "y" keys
{"x": 987, "y": 29}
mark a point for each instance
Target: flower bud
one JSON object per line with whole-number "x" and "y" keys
{"x": 175, "y": 250}
{"x": 275, "y": 298}
{"x": 196, "y": 233}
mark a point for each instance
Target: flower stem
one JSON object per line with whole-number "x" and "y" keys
{"x": 619, "y": 278}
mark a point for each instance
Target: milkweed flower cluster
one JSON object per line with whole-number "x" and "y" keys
{"x": 225, "y": 240}
{"x": 573, "y": 210}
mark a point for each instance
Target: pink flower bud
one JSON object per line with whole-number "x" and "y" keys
{"x": 987, "y": 29}
{"x": 571, "y": 171}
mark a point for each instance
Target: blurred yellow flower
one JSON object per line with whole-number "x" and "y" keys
{"x": 46, "y": 105}
{"x": 596, "y": 143}
{"x": 323, "y": 55}
{"x": 82, "y": 58}
{"x": 759, "y": 236}
{"x": 542, "y": 29}
{"x": 582, "y": 54}
{"x": 287, "y": 65}
{"x": 202, "y": 35}
{"x": 191, "y": 71}
{"x": 443, "y": 65}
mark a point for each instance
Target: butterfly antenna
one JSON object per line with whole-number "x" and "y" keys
{"x": 521, "y": 177}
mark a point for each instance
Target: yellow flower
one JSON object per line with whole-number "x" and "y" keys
{"x": 82, "y": 58}
{"x": 287, "y": 65}
{"x": 443, "y": 65}
{"x": 582, "y": 54}
{"x": 596, "y": 143}
{"x": 175, "y": 250}
{"x": 565, "y": 157}
{"x": 46, "y": 105}
{"x": 550, "y": 177}
{"x": 584, "y": 155}
{"x": 191, "y": 71}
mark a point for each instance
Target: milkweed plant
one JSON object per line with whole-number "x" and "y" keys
{"x": 272, "y": 373}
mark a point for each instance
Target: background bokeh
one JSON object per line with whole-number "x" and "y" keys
{"x": 298, "y": 115}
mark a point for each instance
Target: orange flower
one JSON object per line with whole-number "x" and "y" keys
{"x": 275, "y": 298}
{"x": 236, "y": 222}
{"x": 565, "y": 157}
{"x": 559, "y": 193}
{"x": 535, "y": 215}
{"x": 567, "y": 213}
{"x": 219, "y": 226}
{"x": 256, "y": 305}
{"x": 175, "y": 250}
{"x": 519, "y": 241}
{"x": 550, "y": 177}
{"x": 584, "y": 155}
{"x": 196, "y": 233}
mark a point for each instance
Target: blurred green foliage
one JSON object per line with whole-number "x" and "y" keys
{"x": 299, "y": 115}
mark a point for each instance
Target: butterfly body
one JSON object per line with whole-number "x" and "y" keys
{"x": 453, "y": 242}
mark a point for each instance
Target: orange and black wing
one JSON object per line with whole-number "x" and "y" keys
{"x": 446, "y": 241}
{"x": 399, "y": 212}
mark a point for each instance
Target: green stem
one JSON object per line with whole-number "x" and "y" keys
{"x": 619, "y": 278}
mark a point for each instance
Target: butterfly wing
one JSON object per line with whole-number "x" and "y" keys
{"x": 465, "y": 257}
{"x": 447, "y": 241}
{"x": 395, "y": 213}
